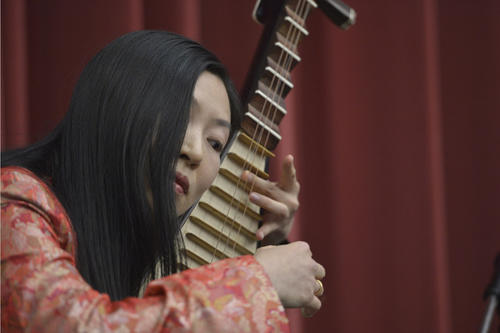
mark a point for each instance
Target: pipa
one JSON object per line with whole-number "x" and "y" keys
{"x": 223, "y": 223}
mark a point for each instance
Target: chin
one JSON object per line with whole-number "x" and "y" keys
{"x": 181, "y": 208}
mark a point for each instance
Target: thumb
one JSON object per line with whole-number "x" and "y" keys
{"x": 288, "y": 177}
{"x": 266, "y": 229}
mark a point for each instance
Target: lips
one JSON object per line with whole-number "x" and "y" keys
{"x": 181, "y": 183}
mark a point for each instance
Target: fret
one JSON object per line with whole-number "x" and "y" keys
{"x": 224, "y": 215}
{"x": 297, "y": 19}
{"x": 216, "y": 204}
{"x": 282, "y": 71}
{"x": 210, "y": 250}
{"x": 210, "y": 245}
{"x": 225, "y": 238}
{"x": 269, "y": 137}
{"x": 263, "y": 116}
{"x": 198, "y": 252}
{"x": 237, "y": 181}
{"x": 235, "y": 203}
{"x": 264, "y": 93}
{"x": 237, "y": 193}
{"x": 254, "y": 146}
{"x": 205, "y": 246}
{"x": 292, "y": 30}
{"x": 283, "y": 47}
{"x": 269, "y": 103}
{"x": 196, "y": 258}
{"x": 227, "y": 221}
{"x": 284, "y": 53}
{"x": 294, "y": 3}
{"x": 295, "y": 16}
{"x": 312, "y": 3}
{"x": 273, "y": 77}
{"x": 277, "y": 77}
{"x": 237, "y": 163}
{"x": 272, "y": 94}
{"x": 246, "y": 154}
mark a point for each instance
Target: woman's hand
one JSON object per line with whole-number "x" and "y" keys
{"x": 294, "y": 274}
{"x": 279, "y": 200}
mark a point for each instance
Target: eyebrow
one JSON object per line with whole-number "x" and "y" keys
{"x": 222, "y": 122}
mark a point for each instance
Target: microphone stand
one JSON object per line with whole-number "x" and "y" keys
{"x": 493, "y": 293}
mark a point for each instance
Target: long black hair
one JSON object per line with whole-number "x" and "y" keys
{"x": 119, "y": 141}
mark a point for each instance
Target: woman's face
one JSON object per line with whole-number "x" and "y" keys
{"x": 206, "y": 135}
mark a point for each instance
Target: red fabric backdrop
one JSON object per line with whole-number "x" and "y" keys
{"x": 395, "y": 125}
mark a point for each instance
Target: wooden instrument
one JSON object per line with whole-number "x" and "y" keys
{"x": 223, "y": 223}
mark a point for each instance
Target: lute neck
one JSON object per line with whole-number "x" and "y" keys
{"x": 269, "y": 80}
{"x": 223, "y": 223}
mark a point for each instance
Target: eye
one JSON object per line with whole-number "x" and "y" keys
{"x": 216, "y": 145}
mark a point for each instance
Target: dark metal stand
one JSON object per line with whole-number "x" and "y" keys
{"x": 492, "y": 293}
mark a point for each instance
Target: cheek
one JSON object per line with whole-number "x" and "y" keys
{"x": 210, "y": 171}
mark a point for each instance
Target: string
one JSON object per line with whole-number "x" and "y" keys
{"x": 288, "y": 62}
{"x": 301, "y": 11}
{"x": 277, "y": 86}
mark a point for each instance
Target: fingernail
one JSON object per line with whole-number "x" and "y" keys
{"x": 260, "y": 235}
{"x": 254, "y": 196}
{"x": 247, "y": 175}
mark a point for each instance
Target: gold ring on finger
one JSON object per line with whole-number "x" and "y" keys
{"x": 319, "y": 291}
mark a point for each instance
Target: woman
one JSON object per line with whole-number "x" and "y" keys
{"x": 92, "y": 209}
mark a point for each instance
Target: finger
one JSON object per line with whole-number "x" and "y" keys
{"x": 288, "y": 179}
{"x": 302, "y": 247}
{"x": 320, "y": 289}
{"x": 266, "y": 229}
{"x": 313, "y": 307}
{"x": 319, "y": 271}
{"x": 256, "y": 183}
{"x": 271, "y": 206}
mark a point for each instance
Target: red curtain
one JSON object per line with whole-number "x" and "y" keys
{"x": 395, "y": 125}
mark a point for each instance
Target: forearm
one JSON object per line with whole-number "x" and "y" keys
{"x": 43, "y": 291}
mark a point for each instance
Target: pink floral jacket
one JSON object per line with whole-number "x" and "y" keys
{"x": 43, "y": 291}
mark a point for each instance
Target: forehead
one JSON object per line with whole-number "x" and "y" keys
{"x": 210, "y": 97}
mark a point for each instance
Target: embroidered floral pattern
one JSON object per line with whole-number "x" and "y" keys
{"x": 43, "y": 291}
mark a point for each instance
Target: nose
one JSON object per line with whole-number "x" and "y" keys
{"x": 192, "y": 148}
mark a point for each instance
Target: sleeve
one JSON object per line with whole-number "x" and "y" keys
{"x": 43, "y": 291}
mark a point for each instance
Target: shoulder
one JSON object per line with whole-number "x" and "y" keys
{"x": 19, "y": 184}
{"x": 23, "y": 189}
